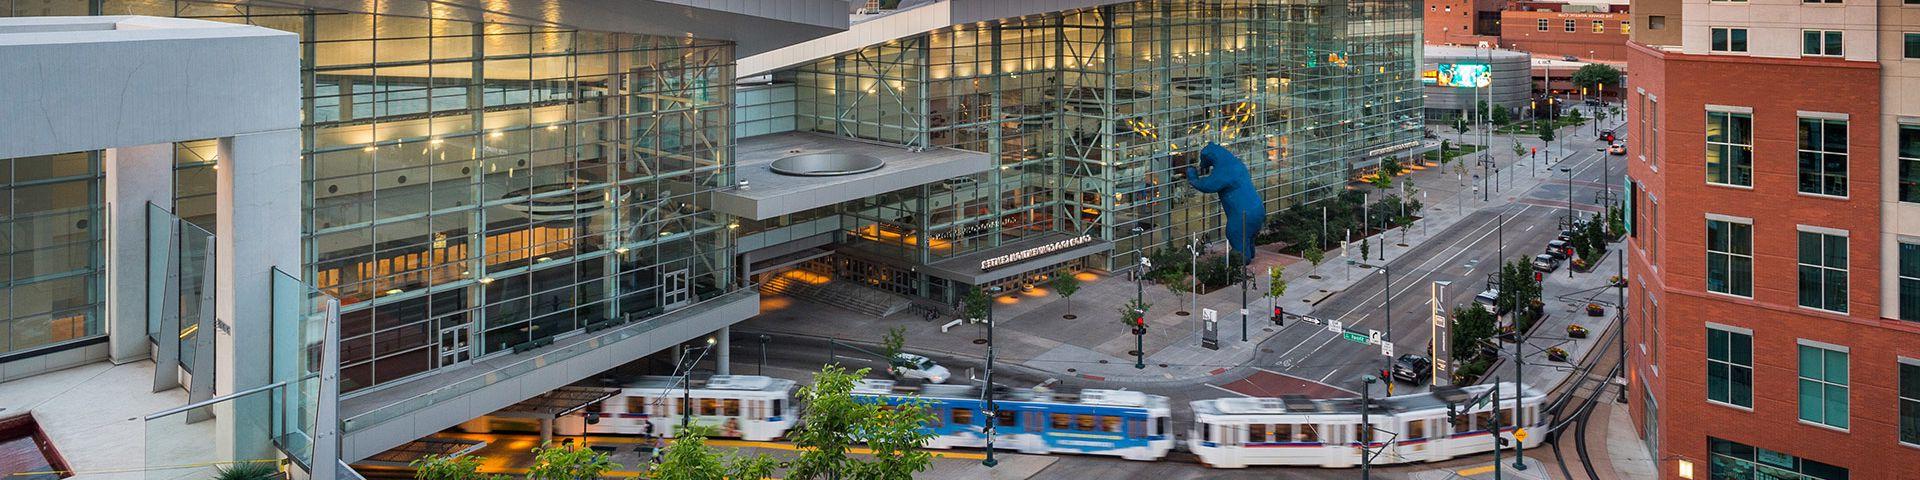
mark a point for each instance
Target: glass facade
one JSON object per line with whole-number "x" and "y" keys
{"x": 50, "y": 235}
{"x": 473, "y": 186}
{"x": 1093, "y": 114}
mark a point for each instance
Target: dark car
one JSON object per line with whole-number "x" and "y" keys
{"x": 1558, "y": 249}
{"x": 1412, "y": 368}
{"x": 1546, "y": 263}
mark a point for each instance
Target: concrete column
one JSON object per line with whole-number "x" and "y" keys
{"x": 135, "y": 176}
{"x": 258, "y": 229}
{"x": 723, "y": 360}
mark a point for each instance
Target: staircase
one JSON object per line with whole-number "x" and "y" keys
{"x": 817, "y": 288}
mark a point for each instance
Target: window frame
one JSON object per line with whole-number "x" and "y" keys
{"x": 1714, "y": 45}
{"x": 1907, "y": 430}
{"x": 1825, "y": 151}
{"x": 1910, "y": 45}
{"x": 1823, "y": 236}
{"x": 1599, "y": 26}
{"x": 1836, "y": 39}
{"x": 1572, "y": 26}
{"x": 1730, "y": 254}
{"x": 1825, "y": 382}
{"x": 1731, "y": 363}
{"x": 1734, "y": 172}
{"x": 1543, "y": 25}
{"x": 1907, "y": 280}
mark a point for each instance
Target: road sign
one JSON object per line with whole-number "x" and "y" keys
{"x": 1335, "y": 327}
{"x": 1373, "y": 337}
{"x": 1520, "y": 434}
{"x": 1355, "y": 337}
{"x": 1386, "y": 349}
{"x": 1209, "y": 314}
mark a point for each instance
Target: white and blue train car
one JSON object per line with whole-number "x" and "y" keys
{"x": 1241, "y": 432}
{"x": 1125, "y": 424}
{"x": 749, "y": 407}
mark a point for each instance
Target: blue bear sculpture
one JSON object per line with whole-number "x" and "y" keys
{"x": 1228, "y": 177}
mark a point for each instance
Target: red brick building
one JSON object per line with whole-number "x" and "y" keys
{"x": 1552, "y": 34}
{"x": 1766, "y": 332}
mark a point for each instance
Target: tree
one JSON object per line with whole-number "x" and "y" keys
{"x": 975, "y": 304}
{"x": 1065, "y": 284}
{"x": 1364, "y": 249}
{"x": 1518, "y": 149}
{"x": 1471, "y": 325}
{"x": 551, "y": 462}
{"x": 1593, "y": 75}
{"x": 1313, "y": 253}
{"x": 690, "y": 458}
{"x": 1277, "y": 282}
{"x": 1574, "y": 115}
{"x": 441, "y": 467}
{"x": 1406, "y": 223}
{"x": 831, "y": 422}
{"x": 1390, "y": 166}
{"x": 1132, "y": 311}
{"x": 1545, "y": 130}
{"x": 1501, "y": 116}
{"x": 1445, "y": 146}
{"x": 1382, "y": 182}
{"x": 1480, "y": 111}
{"x": 1461, "y": 124}
{"x": 893, "y": 342}
{"x": 1517, "y": 288}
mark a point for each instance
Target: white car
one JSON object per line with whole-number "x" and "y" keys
{"x": 907, "y": 365}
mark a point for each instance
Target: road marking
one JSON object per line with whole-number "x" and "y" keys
{"x": 1468, "y": 472}
{"x": 1529, "y": 228}
{"x": 1228, "y": 390}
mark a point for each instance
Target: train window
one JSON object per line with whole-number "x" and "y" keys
{"x": 1109, "y": 424}
{"x": 1531, "y": 416}
{"x": 1306, "y": 433}
{"x": 776, "y": 407}
{"x": 1506, "y": 417}
{"x": 1206, "y": 432}
{"x": 679, "y": 407}
{"x": 1137, "y": 428}
{"x": 1256, "y": 433}
{"x": 1483, "y": 420}
{"x": 1008, "y": 418}
{"x": 1085, "y": 422}
{"x": 637, "y": 404}
{"x": 1281, "y": 432}
{"x": 961, "y": 416}
{"x": 733, "y": 407}
{"x": 1062, "y": 421}
{"x": 1416, "y": 429}
{"x": 1365, "y": 434}
{"x": 1165, "y": 425}
{"x": 709, "y": 406}
{"x": 1460, "y": 423}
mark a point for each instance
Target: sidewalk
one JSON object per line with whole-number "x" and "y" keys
{"x": 1032, "y": 332}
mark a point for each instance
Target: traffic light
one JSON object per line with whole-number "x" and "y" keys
{"x": 1536, "y": 277}
{"x": 1139, "y": 324}
{"x": 1279, "y": 316}
{"x": 1607, "y": 136}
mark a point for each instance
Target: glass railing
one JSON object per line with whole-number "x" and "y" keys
{"x": 299, "y": 336}
{"x": 181, "y": 446}
{"x": 478, "y": 381}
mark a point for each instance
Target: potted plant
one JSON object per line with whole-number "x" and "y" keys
{"x": 1595, "y": 310}
{"x": 1617, "y": 281}
{"x": 1557, "y": 354}
{"x": 1580, "y": 264}
{"x": 1509, "y": 334}
{"x": 1576, "y": 331}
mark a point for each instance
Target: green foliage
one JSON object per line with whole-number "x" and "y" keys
{"x": 1595, "y": 74}
{"x": 975, "y": 304}
{"x": 1544, "y": 130}
{"x": 1215, "y": 272}
{"x": 1460, "y": 124}
{"x": 1574, "y": 116}
{"x": 438, "y": 467}
{"x": 247, "y": 471}
{"x": 1314, "y": 254}
{"x": 1617, "y": 221}
{"x": 1390, "y": 166}
{"x": 831, "y": 422}
{"x": 1471, "y": 325}
{"x": 1591, "y": 240}
{"x": 1365, "y": 249}
{"x": 1519, "y": 149}
{"x": 690, "y": 458}
{"x": 1277, "y": 280}
{"x": 1382, "y": 182}
{"x": 893, "y": 342}
{"x": 1518, "y": 291}
{"x": 1133, "y": 309}
{"x": 1065, "y": 284}
{"x": 1501, "y": 116}
{"x": 559, "y": 462}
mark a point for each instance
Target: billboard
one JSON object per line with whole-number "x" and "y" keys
{"x": 1468, "y": 75}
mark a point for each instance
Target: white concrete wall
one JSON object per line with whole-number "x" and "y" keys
{"x": 1899, "y": 79}
{"x": 1774, "y": 26}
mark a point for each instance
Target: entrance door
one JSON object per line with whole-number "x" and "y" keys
{"x": 678, "y": 290}
{"x": 455, "y": 341}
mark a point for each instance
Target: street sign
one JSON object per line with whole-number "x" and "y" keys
{"x": 1210, "y": 338}
{"x": 1386, "y": 349}
{"x": 1440, "y": 344}
{"x": 1520, "y": 434}
{"x": 1355, "y": 337}
{"x": 1373, "y": 337}
{"x": 1335, "y": 327}
{"x": 1209, "y": 314}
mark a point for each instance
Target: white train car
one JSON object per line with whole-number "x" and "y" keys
{"x": 1119, "y": 423}
{"x": 1241, "y": 432}
{"x": 748, "y": 407}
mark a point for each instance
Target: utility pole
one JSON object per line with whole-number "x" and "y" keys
{"x": 986, "y": 391}
{"x": 1366, "y": 433}
{"x": 1520, "y": 338}
{"x": 1245, "y": 278}
{"x": 1620, "y": 314}
{"x": 1496, "y": 428}
{"x": 1140, "y": 319}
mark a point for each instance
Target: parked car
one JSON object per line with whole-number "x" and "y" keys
{"x": 1488, "y": 298}
{"x": 907, "y": 365}
{"x": 1415, "y": 369}
{"x": 1558, "y": 249}
{"x": 1546, "y": 263}
{"x": 1617, "y": 149}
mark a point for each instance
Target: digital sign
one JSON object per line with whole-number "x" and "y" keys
{"x": 1467, "y": 75}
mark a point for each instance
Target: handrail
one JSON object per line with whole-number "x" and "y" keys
{"x": 214, "y": 400}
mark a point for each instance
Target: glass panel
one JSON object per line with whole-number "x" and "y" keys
{"x": 177, "y": 441}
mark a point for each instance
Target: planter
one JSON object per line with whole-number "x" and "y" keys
{"x": 1595, "y": 310}
{"x": 1557, "y": 354}
{"x": 1576, "y": 331}
{"x": 1617, "y": 281}
{"x": 1507, "y": 334}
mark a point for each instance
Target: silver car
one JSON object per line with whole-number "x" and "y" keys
{"x": 907, "y": 365}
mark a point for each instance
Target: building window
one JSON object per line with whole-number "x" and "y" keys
{"x": 1823, "y": 271}
{"x": 1652, "y": 135}
{"x": 1735, "y": 460}
{"x": 1730, "y": 257}
{"x": 1570, "y": 27}
{"x": 1821, "y": 1}
{"x": 1823, "y": 385}
{"x": 1730, "y": 148}
{"x": 1626, "y": 27}
{"x": 1542, "y": 25}
{"x": 1909, "y": 281}
{"x": 1823, "y": 156}
{"x": 1910, "y": 401}
{"x": 1823, "y": 43}
{"x": 1659, "y": 22}
{"x": 1729, "y": 40}
{"x": 1729, "y": 367}
{"x": 1911, "y": 42}
{"x": 1909, "y": 151}
{"x": 1599, "y": 26}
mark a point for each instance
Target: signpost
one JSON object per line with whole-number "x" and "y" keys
{"x": 1335, "y": 326}
{"x": 1386, "y": 349}
{"x": 1210, "y": 338}
{"x": 1373, "y": 337}
{"x": 1442, "y": 358}
{"x": 1355, "y": 337}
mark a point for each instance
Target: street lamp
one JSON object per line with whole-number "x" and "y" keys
{"x": 686, "y": 386}
{"x": 1366, "y": 428}
{"x": 1140, "y": 317}
{"x": 993, "y": 413}
{"x": 1569, "y": 215}
{"x": 1386, "y": 274}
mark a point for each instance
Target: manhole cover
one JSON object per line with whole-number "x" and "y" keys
{"x": 1163, "y": 365}
{"x": 1103, "y": 361}
{"x": 979, "y": 341}
{"x": 1266, "y": 350}
{"x": 1181, "y": 313}
{"x": 1133, "y": 352}
{"x": 1071, "y": 370}
{"x": 1069, "y": 317}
